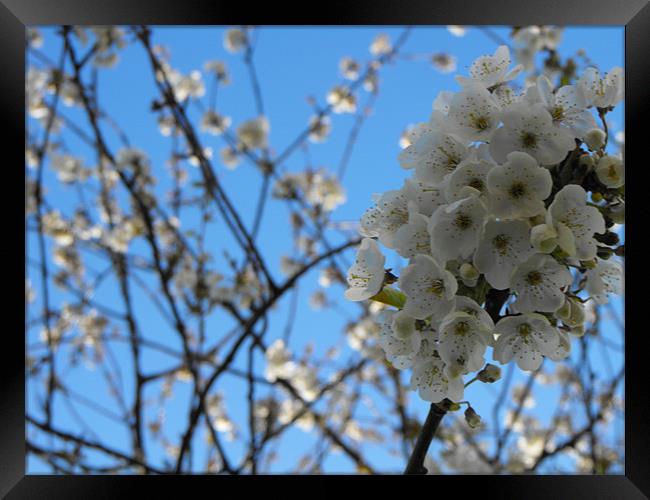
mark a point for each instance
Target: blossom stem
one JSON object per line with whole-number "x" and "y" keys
{"x": 416, "y": 461}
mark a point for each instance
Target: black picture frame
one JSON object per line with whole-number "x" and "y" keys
{"x": 15, "y": 15}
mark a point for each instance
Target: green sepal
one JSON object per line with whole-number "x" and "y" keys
{"x": 391, "y": 297}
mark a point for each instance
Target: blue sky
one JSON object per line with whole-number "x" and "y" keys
{"x": 292, "y": 63}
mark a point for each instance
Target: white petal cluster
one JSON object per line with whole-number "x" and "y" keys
{"x": 494, "y": 206}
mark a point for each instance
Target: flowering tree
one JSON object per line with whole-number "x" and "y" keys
{"x": 509, "y": 223}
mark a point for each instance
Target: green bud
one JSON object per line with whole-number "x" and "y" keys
{"x": 472, "y": 418}
{"x": 489, "y": 374}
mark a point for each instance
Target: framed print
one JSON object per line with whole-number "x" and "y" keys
{"x": 380, "y": 241}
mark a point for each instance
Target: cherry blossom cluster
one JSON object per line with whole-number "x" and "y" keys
{"x": 512, "y": 196}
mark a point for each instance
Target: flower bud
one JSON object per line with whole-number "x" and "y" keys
{"x": 403, "y": 325}
{"x": 564, "y": 312}
{"x": 595, "y": 139}
{"x": 472, "y": 418}
{"x": 489, "y": 374}
{"x": 468, "y": 272}
{"x": 578, "y": 331}
{"x": 573, "y": 313}
{"x": 544, "y": 238}
{"x": 610, "y": 171}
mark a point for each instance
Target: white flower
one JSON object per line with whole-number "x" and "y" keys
{"x": 278, "y": 362}
{"x": 529, "y": 128}
{"x": 564, "y": 346}
{"x": 218, "y": 68}
{"x": 519, "y": 187}
{"x": 469, "y": 306}
{"x": 455, "y": 228}
{"x": 457, "y": 30}
{"x": 386, "y": 217}
{"x": 432, "y": 384}
{"x": 349, "y": 68}
{"x": 491, "y": 70}
{"x": 254, "y": 133}
{"x": 429, "y": 288}
{"x": 538, "y": 283}
{"x": 503, "y": 245}
{"x": 606, "y": 278}
{"x": 462, "y": 342}
{"x": 400, "y": 349}
{"x": 366, "y": 275}
{"x": 229, "y": 157}
{"x": 380, "y": 45}
{"x": 567, "y": 107}
{"x": 610, "y": 171}
{"x": 427, "y": 197}
{"x": 526, "y": 338}
{"x": 474, "y": 113}
{"x": 434, "y": 155}
{"x": 471, "y": 174}
{"x": 595, "y": 139}
{"x": 342, "y": 100}
{"x": 570, "y": 209}
{"x": 319, "y": 128}
{"x": 213, "y": 123}
{"x": 602, "y": 92}
{"x": 413, "y": 238}
{"x": 235, "y": 40}
{"x": 443, "y": 62}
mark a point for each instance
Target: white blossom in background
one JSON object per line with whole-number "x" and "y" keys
{"x": 342, "y": 99}
{"x": 443, "y": 62}
{"x": 253, "y": 134}
{"x": 457, "y": 30}
{"x": 349, "y": 68}
{"x": 380, "y": 45}
{"x": 214, "y": 123}
{"x": 235, "y": 40}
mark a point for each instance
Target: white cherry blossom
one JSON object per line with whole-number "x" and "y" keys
{"x": 462, "y": 342}
{"x": 570, "y": 209}
{"x": 610, "y": 171}
{"x": 605, "y": 91}
{"x": 526, "y": 339}
{"x": 366, "y": 276}
{"x": 474, "y": 113}
{"x": 434, "y": 155}
{"x": 567, "y": 106}
{"x": 400, "y": 351}
{"x": 433, "y": 384}
{"x": 427, "y": 196}
{"x": 455, "y": 228}
{"x": 413, "y": 238}
{"x": 471, "y": 174}
{"x": 519, "y": 187}
{"x": 529, "y": 128}
{"x": 428, "y": 287}
{"x": 469, "y": 306}
{"x": 605, "y": 279}
{"x": 490, "y": 71}
{"x": 386, "y": 217}
{"x": 502, "y": 247}
{"x": 538, "y": 283}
